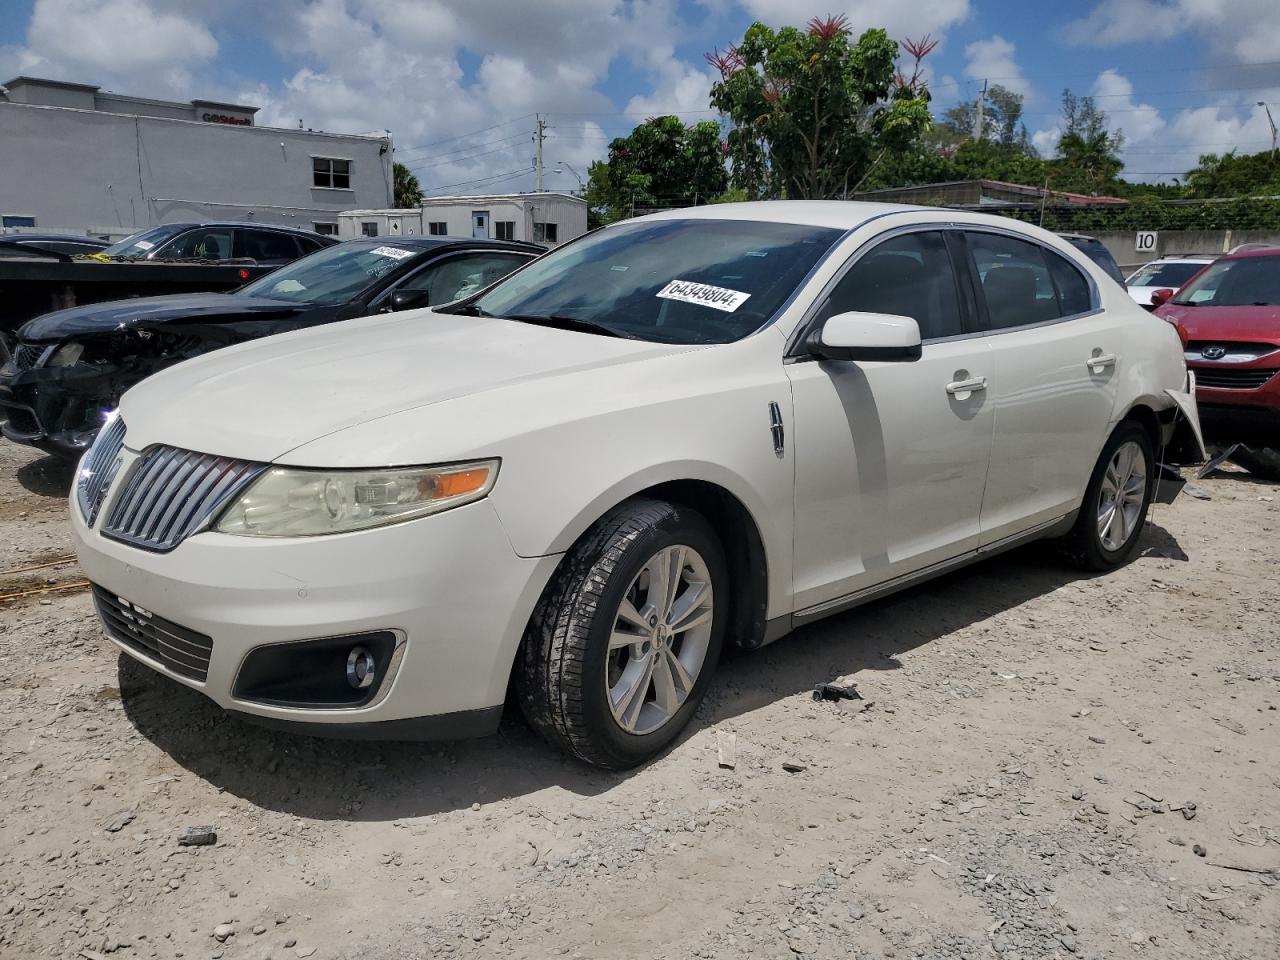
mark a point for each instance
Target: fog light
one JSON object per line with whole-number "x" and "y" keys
{"x": 361, "y": 668}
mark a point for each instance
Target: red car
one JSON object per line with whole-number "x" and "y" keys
{"x": 1229, "y": 317}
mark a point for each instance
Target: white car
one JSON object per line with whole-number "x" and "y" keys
{"x": 1166, "y": 273}
{"x": 702, "y": 427}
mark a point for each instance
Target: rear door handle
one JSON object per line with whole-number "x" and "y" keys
{"x": 963, "y": 389}
{"x": 1100, "y": 362}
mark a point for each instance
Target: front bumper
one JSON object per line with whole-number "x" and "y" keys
{"x": 1239, "y": 415}
{"x": 450, "y": 584}
{"x": 49, "y": 408}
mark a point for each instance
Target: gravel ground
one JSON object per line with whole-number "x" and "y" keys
{"x": 1043, "y": 765}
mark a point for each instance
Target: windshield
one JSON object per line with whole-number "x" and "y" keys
{"x": 1249, "y": 281}
{"x": 669, "y": 281}
{"x": 1172, "y": 275}
{"x": 140, "y": 244}
{"x": 333, "y": 275}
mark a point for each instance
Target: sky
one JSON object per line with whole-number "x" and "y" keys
{"x": 459, "y": 82}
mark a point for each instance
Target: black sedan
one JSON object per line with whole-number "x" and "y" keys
{"x": 69, "y": 368}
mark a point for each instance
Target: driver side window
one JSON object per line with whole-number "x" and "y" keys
{"x": 906, "y": 276}
{"x": 457, "y": 277}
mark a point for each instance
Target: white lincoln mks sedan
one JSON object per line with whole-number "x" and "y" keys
{"x": 572, "y": 489}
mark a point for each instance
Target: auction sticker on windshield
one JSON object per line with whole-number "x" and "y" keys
{"x": 395, "y": 253}
{"x": 718, "y": 298}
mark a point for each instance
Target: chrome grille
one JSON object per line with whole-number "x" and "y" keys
{"x": 183, "y": 651}
{"x": 170, "y": 493}
{"x": 98, "y": 469}
{"x": 27, "y": 355}
{"x": 1225, "y": 378}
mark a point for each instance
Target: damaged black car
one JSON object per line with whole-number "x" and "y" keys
{"x": 69, "y": 369}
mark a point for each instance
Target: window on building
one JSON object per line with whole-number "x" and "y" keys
{"x": 369, "y": 228}
{"x": 504, "y": 229}
{"x": 331, "y": 172}
{"x": 326, "y": 229}
{"x": 437, "y": 228}
{"x": 544, "y": 232}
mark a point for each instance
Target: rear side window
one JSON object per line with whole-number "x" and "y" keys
{"x": 1073, "y": 288}
{"x": 1018, "y": 285}
{"x": 907, "y": 276}
{"x": 267, "y": 246}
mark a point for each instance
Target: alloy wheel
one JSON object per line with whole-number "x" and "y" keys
{"x": 659, "y": 638}
{"x": 1120, "y": 499}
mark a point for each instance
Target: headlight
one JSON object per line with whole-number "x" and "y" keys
{"x": 288, "y": 502}
{"x": 67, "y": 355}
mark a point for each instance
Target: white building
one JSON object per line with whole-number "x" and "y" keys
{"x": 78, "y": 158}
{"x": 550, "y": 218}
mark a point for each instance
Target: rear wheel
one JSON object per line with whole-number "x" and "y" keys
{"x": 1262, "y": 462}
{"x": 1107, "y": 531}
{"x": 624, "y": 641}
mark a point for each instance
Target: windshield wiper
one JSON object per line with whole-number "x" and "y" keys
{"x": 469, "y": 310}
{"x": 568, "y": 323}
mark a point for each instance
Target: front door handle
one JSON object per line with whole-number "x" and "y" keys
{"x": 964, "y": 389}
{"x": 1100, "y": 361}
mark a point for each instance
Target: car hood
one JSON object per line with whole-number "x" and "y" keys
{"x": 1243, "y": 324}
{"x": 1142, "y": 295}
{"x": 146, "y": 311}
{"x": 259, "y": 400}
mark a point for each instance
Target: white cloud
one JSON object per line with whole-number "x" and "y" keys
{"x": 899, "y": 18}
{"x": 1160, "y": 147}
{"x": 1247, "y": 31}
{"x": 994, "y": 59}
{"x": 109, "y": 41}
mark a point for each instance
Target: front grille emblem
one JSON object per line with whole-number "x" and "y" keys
{"x": 1213, "y": 353}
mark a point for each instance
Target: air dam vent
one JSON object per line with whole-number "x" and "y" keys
{"x": 183, "y": 651}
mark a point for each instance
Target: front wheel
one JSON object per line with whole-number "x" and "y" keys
{"x": 624, "y": 641}
{"x": 1114, "y": 509}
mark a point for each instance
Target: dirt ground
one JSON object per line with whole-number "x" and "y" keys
{"x": 1043, "y": 765}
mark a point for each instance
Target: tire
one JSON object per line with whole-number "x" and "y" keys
{"x": 1262, "y": 462}
{"x": 1086, "y": 543}
{"x": 570, "y": 681}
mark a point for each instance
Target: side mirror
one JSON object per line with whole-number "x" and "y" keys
{"x": 867, "y": 336}
{"x": 409, "y": 299}
{"x": 1161, "y": 296}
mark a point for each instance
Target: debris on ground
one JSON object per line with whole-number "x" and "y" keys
{"x": 197, "y": 837}
{"x": 726, "y": 749}
{"x": 834, "y": 692}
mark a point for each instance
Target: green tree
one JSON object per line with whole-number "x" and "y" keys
{"x": 408, "y": 193}
{"x": 1229, "y": 175}
{"x": 1088, "y": 155}
{"x": 1001, "y": 125}
{"x": 661, "y": 163}
{"x": 814, "y": 112}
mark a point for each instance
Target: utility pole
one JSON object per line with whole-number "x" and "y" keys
{"x": 1263, "y": 105}
{"x": 539, "y": 135}
{"x": 982, "y": 103}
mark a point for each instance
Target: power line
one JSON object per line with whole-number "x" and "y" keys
{"x": 446, "y": 162}
{"x": 462, "y": 136}
{"x": 497, "y": 176}
{"x": 470, "y": 146}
